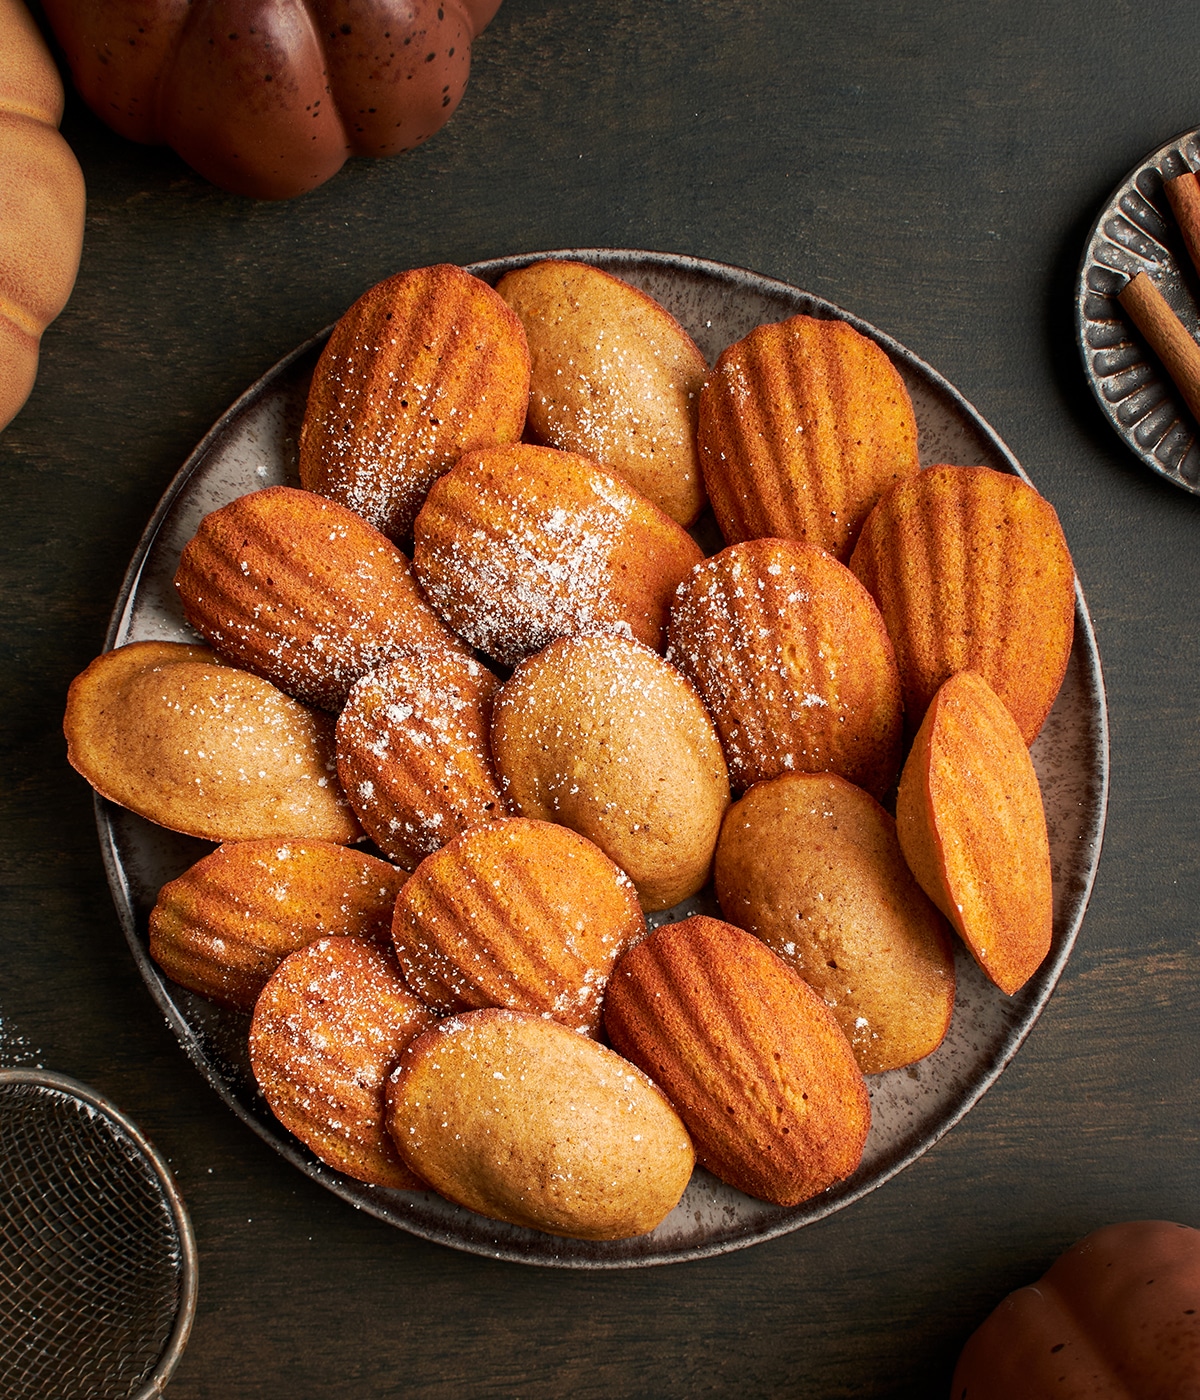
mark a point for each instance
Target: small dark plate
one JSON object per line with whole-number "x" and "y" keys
{"x": 1136, "y": 232}
{"x": 254, "y": 445}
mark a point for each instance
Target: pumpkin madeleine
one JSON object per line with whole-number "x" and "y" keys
{"x": 413, "y": 755}
{"x": 328, "y": 1028}
{"x": 423, "y": 366}
{"x": 522, "y": 1120}
{"x": 163, "y": 729}
{"x": 803, "y": 425}
{"x": 792, "y": 659}
{"x": 811, "y": 865}
{"x": 749, "y": 1055}
{"x": 972, "y": 827}
{"x": 304, "y": 592}
{"x": 603, "y": 735}
{"x": 517, "y": 546}
{"x": 227, "y": 923}
{"x": 971, "y": 571}
{"x": 516, "y": 913}
{"x": 614, "y": 377}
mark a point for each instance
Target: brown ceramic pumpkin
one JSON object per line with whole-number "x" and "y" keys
{"x": 267, "y": 98}
{"x": 1117, "y": 1317}
{"x": 41, "y": 203}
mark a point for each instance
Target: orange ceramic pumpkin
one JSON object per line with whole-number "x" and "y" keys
{"x": 1117, "y": 1317}
{"x": 268, "y": 97}
{"x": 41, "y": 203}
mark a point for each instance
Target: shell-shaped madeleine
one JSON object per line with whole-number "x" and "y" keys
{"x": 301, "y": 590}
{"x": 517, "y": 913}
{"x": 971, "y": 571}
{"x": 603, "y": 735}
{"x": 413, "y": 755}
{"x": 972, "y": 827}
{"x": 811, "y": 865}
{"x": 517, "y": 546}
{"x": 803, "y": 425}
{"x": 423, "y": 366}
{"x": 614, "y": 377}
{"x": 748, "y": 1054}
{"x": 225, "y": 925}
{"x": 328, "y": 1028}
{"x": 522, "y": 1120}
{"x": 791, "y": 657}
{"x": 165, "y": 730}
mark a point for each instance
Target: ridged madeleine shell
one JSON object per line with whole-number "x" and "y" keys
{"x": 791, "y": 657}
{"x": 803, "y": 425}
{"x": 163, "y": 729}
{"x": 971, "y": 571}
{"x": 413, "y": 755}
{"x": 225, "y": 925}
{"x": 522, "y": 1120}
{"x": 518, "y": 913}
{"x": 517, "y": 546}
{"x": 614, "y": 377}
{"x": 811, "y": 865}
{"x": 423, "y": 366}
{"x": 748, "y": 1054}
{"x": 301, "y": 590}
{"x": 972, "y": 827}
{"x": 328, "y": 1028}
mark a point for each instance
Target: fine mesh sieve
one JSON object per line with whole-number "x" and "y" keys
{"x": 97, "y": 1257}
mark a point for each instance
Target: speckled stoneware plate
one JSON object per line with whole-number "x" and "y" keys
{"x": 254, "y": 445}
{"x": 1134, "y": 233}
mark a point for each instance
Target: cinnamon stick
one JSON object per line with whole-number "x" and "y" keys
{"x": 1183, "y": 194}
{"x": 1167, "y": 335}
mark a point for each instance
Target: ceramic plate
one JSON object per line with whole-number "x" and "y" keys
{"x": 1136, "y": 232}
{"x": 254, "y": 445}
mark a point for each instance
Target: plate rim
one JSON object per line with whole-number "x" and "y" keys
{"x": 543, "y": 1253}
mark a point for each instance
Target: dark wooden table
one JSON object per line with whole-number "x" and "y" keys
{"x": 932, "y": 167}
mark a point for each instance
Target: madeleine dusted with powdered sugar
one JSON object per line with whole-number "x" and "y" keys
{"x": 791, "y": 657}
{"x": 517, "y": 546}
{"x": 423, "y": 366}
{"x": 614, "y": 376}
{"x": 516, "y": 913}
{"x": 304, "y": 592}
{"x": 413, "y": 754}
{"x": 328, "y": 1028}
{"x": 803, "y": 425}
{"x": 971, "y": 571}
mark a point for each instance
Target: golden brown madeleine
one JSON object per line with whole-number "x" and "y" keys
{"x": 748, "y": 1054}
{"x": 413, "y": 754}
{"x": 422, "y": 366}
{"x": 811, "y": 865}
{"x": 803, "y": 425}
{"x": 227, "y": 923}
{"x": 524, "y": 1121}
{"x": 517, "y": 546}
{"x": 971, "y": 572}
{"x": 516, "y": 913}
{"x": 328, "y": 1028}
{"x": 972, "y": 827}
{"x": 603, "y": 735}
{"x": 165, "y": 730}
{"x": 791, "y": 657}
{"x": 614, "y": 377}
{"x": 304, "y": 592}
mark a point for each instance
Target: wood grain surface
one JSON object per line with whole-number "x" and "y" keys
{"x": 934, "y": 168}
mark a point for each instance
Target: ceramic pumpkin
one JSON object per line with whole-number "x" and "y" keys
{"x": 267, "y": 98}
{"x": 1117, "y": 1317}
{"x": 41, "y": 203}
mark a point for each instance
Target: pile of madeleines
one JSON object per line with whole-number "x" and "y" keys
{"x": 482, "y": 636}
